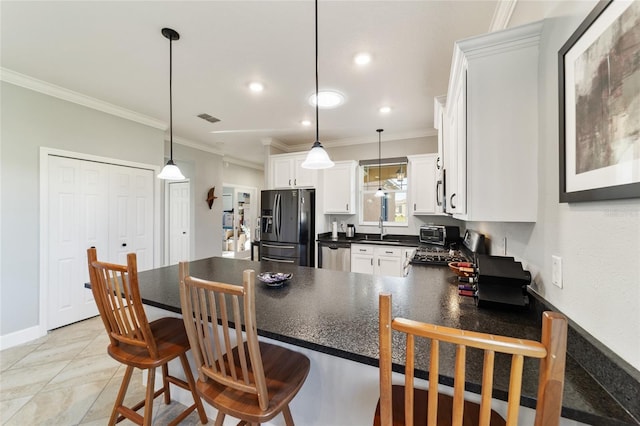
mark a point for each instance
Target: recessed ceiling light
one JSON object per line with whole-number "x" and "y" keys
{"x": 256, "y": 86}
{"x": 385, "y": 110}
{"x": 305, "y": 123}
{"x": 327, "y": 99}
{"x": 362, "y": 58}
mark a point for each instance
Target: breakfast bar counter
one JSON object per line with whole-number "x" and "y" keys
{"x": 336, "y": 313}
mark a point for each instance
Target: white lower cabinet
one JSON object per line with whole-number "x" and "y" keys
{"x": 380, "y": 260}
{"x": 362, "y": 258}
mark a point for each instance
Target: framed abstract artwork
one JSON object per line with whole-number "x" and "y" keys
{"x": 599, "y": 94}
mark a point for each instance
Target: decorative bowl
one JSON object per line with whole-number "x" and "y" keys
{"x": 274, "y": 279}
{"x": 462, "y": 269}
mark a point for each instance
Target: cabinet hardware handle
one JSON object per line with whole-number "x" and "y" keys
{"x": 389, "y": 252}
{"x": 414, "y": 207}
{"x": 184, "y": 233}
{"x": 371, "y": 261}
{"x": 453, "y": 206}
{"x": 362, "y": 249}
{"x": 347, "y": 207}
{"x": 277, "y": 260}
{"x": 438, "y": 202}
{"x": 280, "y": 247}
{"x": 289, "y": 182}
{"x": 295, "y": 182}
{"x": 124, "y": 244}
{"x": 378, "y": 262}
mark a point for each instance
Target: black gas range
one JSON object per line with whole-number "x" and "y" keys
{"x": 464, "y": 251}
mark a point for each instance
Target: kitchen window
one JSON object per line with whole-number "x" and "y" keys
{"x": 391, "y": 176}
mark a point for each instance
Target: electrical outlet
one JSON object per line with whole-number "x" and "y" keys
{"x": 556, "y": 271}
{"x": 342, "y": 225}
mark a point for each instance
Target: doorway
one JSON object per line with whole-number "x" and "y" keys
{"x": 238, "y": 220}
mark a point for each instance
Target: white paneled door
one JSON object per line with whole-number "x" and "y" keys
{"x": 131, "y": 215}
{"x": 92, "y": 204}
{"x": 179, "y": 215}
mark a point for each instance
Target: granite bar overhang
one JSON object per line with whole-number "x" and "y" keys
{"x": 337, "y": 313}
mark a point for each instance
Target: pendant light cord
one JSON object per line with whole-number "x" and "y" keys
{"x": 317, "y": 100}
{"x": 379, "y": 156}
{"x": 170, "y": 100}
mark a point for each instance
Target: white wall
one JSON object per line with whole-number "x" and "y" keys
{"x": 204, "y": 170}
{"x": 31, "y": 120}
{"x": 599, "y": 242}
{"x": 238, "y": 175}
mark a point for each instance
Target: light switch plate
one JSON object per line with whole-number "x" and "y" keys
{"x": 556, "y": 271}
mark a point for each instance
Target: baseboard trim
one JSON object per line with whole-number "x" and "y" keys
{"x": 21, "y": 336}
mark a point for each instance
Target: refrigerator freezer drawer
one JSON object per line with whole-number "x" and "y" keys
{"x": 279, "y": 249}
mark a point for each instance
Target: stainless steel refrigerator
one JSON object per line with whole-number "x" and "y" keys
{"x": 287, "y": 231}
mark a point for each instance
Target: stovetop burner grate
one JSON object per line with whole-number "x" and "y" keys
{"x": 437, "y": 255}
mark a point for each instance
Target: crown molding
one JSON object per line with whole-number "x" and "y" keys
{"x": 502, "y": 15}
{"x": 49, "y": 89}
{"x": 196, "y": 145}
{"x": 501, "y": 41}
{"x": 244, "y": 163}
{"x": 337, "y": 143}
{"x": 487, "y": 45}
{"x": 206, "y": 148}
{"x": 275, "y": 143}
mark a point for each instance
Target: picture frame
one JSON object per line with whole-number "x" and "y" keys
{"x": 599, "y": 110}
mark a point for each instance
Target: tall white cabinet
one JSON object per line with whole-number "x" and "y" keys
{"x": 491, "y": 127}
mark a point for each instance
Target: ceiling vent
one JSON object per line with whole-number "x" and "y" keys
{"x": 209, "y": 118}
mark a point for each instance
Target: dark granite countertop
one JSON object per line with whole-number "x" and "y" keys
{"x": 337, "y": 313}
{"x": 388, "y": 239}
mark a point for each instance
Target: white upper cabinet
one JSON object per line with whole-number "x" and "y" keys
{"x": 491, "y": 132}
{"x": 422, "y": 184}
{"x": 455, "y": 148}
{"x": 439, "y": 105}
{"x": 339, "y": 188}
{"x": 285, "y": 171}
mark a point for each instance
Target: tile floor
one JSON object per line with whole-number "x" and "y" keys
{"x": 67, "y": 378}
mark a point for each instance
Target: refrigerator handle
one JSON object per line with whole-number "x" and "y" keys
{"x": 275, "y": 215}
{"x": 278, "y": 215}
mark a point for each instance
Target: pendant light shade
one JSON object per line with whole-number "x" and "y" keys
{"x": 170, "y": 171}
{"x": 317, "y": 158}
{"x": 379, "y": 193}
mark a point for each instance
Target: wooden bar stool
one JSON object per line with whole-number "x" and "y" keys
{"x": 404, "y": 405}
{"x": 137, "y": 343}
{"x": 252, "y": 381}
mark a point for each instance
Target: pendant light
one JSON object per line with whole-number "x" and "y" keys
{"x": 317, "y": 158}
{"x": 379, "y": 192}
{"x": 170, "y": 171}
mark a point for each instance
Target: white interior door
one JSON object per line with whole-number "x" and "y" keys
{"x": 131, "y": 215}
{"x": 77, "y": 207}
{"x": 179, "y": 221}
